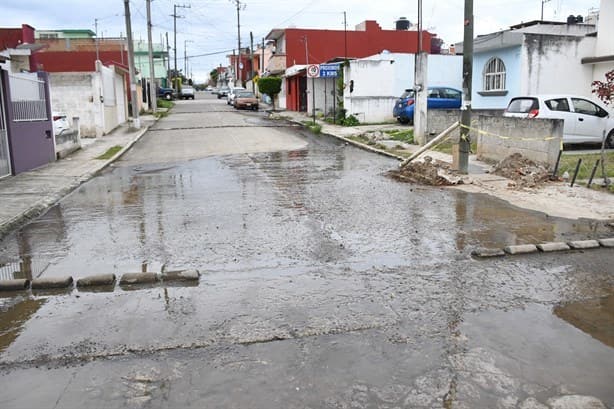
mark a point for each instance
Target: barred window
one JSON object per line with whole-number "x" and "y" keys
{"x": 494, "y": 75}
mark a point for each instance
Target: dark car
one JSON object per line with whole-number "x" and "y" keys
{"x": 438, "y": 98}
{"x": 166, "y": 93}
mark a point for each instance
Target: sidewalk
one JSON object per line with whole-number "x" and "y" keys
{"x": 556, "y": 199}
{"x": 29, "y": 194}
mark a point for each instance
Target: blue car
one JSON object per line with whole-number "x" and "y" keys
{"x": 438, "y": 98}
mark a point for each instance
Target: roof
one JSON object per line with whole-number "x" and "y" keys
{"x": 275, "y": 34}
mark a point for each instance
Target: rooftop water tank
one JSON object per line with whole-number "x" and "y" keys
{"x": 402, "y": 23}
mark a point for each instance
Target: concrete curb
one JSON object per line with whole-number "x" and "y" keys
{"x": 548, "y": 247}
{"x": 121, "y": 152}
{"x": 583, "y": 244}
{"x": 19, "y": 284}
{"x": 352, "y": 142}
{"x": 555, "y": 246}
{"x": 139, "y": 279}
{"x": 183, "y": 275}
{"x": 49, "y": 283}
{"x": 96, "y": 280}
{"x": 521, "y": 249}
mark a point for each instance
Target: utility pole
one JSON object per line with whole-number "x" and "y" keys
{"x": 185, "y": 56}
{"x": 152, "y": 80}
{"x": 136, "y": 122}
{"x": 461, "y": 153}
{"x": 238, "y": 61}
{"x": 251, "y": 60}
{"x": 96, "y": 28}
{"x": 543, "y": 2}
{"x": 168, "y": 61}
{"x": 420, "y": 86}
{"x": 175, "y": 16}
{"x": 345, "y": 35}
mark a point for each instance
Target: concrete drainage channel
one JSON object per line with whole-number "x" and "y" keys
{"x": 103, "y": 282}
{"x": 544, "y": 248}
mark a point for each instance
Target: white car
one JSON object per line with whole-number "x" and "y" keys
{"x": 186, "y": 92}
{"x": 232, "y": 94}
{"x": 586, "y": 121}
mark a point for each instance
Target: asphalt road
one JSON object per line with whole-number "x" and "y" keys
{"x": 325, "y": 283}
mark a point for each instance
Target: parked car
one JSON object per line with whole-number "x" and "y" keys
{"x": 186, "y": 92}
{"x": 437, "y": 98}
{"x": 166, "y": 93}
{"x": 586, "y": 121}
{"x": 222, "y": 92}
{"x": 246, "y": 99}
{"x": 232, "y": 94}
{"x": 60, "y": 123}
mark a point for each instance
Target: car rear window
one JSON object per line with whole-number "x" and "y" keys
{"x": 245, "y": 95}
{"x": 523, "y": 105}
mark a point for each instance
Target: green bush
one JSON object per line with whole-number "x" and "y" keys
{"x": 270, "y": 86}
{"x": 350, "y": 121}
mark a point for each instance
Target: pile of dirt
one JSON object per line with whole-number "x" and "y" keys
{"x": 522, "y": 171}
{"x": 427, "y": 172}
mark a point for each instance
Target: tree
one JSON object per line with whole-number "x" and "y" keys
{"x": 605, "y": 91}
{"x": 270, "y": 86}
{"x": 214, "y": 75}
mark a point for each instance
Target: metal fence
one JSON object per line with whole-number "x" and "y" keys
{"x": 28, "y": 98}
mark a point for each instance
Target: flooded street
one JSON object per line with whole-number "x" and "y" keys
{"x": 325, "y": 283}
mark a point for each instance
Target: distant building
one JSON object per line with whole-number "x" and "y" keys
{"x": 292, "y": 49}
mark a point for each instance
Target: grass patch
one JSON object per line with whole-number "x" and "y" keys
{"x": 110, "y": 152}
{"x": 162, "y": 103}
{"x": 401, "y": 135}
{"x": 568, "y": 164}
{"x": 360, "y": 138}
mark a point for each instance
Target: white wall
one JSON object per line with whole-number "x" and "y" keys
{"x": 379, "y": 80}
{"x": 551, "y": 65}
{"x": 604, "y": 45}
{"x": 75, "y": 94}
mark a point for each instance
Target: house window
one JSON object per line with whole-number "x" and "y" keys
{"x": 494, "y": 75}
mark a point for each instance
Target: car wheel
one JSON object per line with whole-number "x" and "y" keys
{"x": 168, "y": 97}
{"x": 609, "y": 142}
{"x": 403, "y": 121}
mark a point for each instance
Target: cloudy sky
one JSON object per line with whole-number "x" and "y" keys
{"x": 208, "y": 28}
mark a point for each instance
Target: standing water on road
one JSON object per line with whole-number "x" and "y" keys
{"x": 325, "y": 284}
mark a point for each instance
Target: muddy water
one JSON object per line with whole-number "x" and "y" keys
{"x": 325, "y": 284}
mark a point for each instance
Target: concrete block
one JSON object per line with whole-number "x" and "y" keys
{"x": 47, "y": 283}
{"x": 521, "y": 249}
{"x": 583, "y": 244}
{"x": 14, "y": 285}
{"x": 607, "y": 242}
{"x": 488, "y": 253}
{"x": 138, "y": 278}
{"x": 553, "y": 246}
{"x": 183, "y": 275}
{"x": 96, "y": 280}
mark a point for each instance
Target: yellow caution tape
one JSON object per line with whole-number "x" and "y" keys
{"x": 481, "y": 132}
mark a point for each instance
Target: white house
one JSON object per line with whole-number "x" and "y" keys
{"x": 380, "y": 79}
{"x": 602, "y": 59}
{"x": 538, "y": 57}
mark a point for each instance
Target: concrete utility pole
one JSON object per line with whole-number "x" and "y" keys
{"x": 168, "y": 62}
{"x": 185, "y": 56}
{"x": 345, "y": 36}
{"x": 175, "y": 16}
{"x": 460, "y": 160}
{"x": 136, "y": 122}
{"x": 238, "y": 61}
{"x": 420, "y": 86}
{"x": 152, "y": 79}
{"x": 251, "y": 60}
{"x": 96, "y": 28}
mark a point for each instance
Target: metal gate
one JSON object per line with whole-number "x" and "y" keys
{"x": 5, "y": 162}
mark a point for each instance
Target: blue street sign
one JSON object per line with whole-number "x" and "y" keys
{"x": 329, "y": 70}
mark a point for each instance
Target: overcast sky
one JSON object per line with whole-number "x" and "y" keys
{"x": 210, "y": 26}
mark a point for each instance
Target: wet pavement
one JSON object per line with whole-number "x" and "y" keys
{"x": 325, "y": 284}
